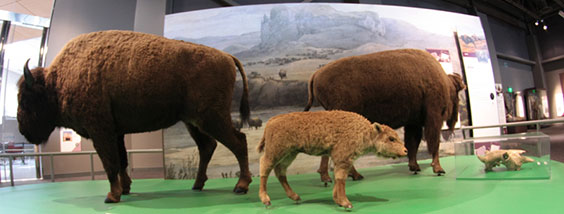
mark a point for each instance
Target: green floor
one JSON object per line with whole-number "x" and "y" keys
{"x": 386, "y": 189}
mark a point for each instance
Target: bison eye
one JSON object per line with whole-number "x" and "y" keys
{"x": 392, "y": 139}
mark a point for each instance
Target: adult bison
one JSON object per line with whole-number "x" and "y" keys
{"x": 398, "y": 88}
{"x": 107, "y": 84}
{"x": 255, "y": 122}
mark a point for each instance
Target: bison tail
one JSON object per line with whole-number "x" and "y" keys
{"x": 310, "y": 93}
{"x": 260, "y": 147}
{"x": 244, "y": 108}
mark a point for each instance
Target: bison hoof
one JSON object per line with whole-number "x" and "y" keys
{"x": 357, "y": 177}
{"x": 326, "y": 180}
{"x": 267, "y": 204}
{"x": 240, "y": 190}
{"x": 347, "y": 207}
{"x": 111, "y": 199}
{"x": 439, "y": 171}
{"x": 195, "y": 188}
{"x": 125, "y": 192}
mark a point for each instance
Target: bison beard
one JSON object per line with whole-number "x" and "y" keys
{"x": 400, "y": 88}
{"x": 111, "y": 83}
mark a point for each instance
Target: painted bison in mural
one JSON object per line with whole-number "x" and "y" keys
{"x": 282, "y": 74}
{"x": 107, "y": 84}
{"x": 343, "y": 135}
{"x": 255, "y": 122}
{"x": 237, "y": 124}
{"x": 398, "y": 88}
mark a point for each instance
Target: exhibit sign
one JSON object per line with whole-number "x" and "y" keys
{"x": 443, "y": 57}
{"x": 282, "y": 45}
{"x": 481, "y": 148}
{"x": 70, "y": 140}
{"x": 480, "y": 80}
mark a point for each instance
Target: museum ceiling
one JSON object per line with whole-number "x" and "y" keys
{"x": 516, "y": 12}
{"x": 41, "y": 8}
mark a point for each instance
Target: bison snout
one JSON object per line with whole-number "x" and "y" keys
{"x": 404, "y": 152}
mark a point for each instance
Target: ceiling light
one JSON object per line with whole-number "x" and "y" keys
{"x": 537, "y": 23}
{"x": 544, "y": 27}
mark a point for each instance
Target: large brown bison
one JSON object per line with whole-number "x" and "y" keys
{"x": 398, "y": 88}
{"x": 107, "y": 84}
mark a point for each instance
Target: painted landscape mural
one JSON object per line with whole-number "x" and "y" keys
{"x": 281, "y": 45}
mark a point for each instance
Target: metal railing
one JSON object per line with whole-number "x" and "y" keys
{"x": 51, "y": 155}
{"x": 537, "y": 124}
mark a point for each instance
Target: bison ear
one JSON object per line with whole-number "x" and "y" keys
{"x": 377, "y": 127}
{"x": 27, "y": 74}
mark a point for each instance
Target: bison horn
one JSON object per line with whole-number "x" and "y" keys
{"x": 27, "y": 74}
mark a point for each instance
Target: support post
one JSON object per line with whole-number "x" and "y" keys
{"x": 130, "y": 165}
{"x": 92, "y": 166}
{"x": 10, "y": 160}
{"x": 52, "y": 168}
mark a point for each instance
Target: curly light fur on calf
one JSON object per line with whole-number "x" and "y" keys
{"x": 342, "y": 135}
{"x": 110, "y": 83}
{"x": 405, "y": 87}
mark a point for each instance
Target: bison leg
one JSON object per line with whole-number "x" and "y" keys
{"x": 355, "y": 175}
{"x": 323, "y": 170}
{"x": 412, "y": 137}
{"x": 280, "y": 171}
{"x": 107, "y": 149}
{"x": 432, "y": 136}
{"x": 221, "y": 129}
{"x": 206, "y": 147}
{"x": 339, "y": 194}
{"x": 124, "y": 178}
{"x": 265, "y": 168}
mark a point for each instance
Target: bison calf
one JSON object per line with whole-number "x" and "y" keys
{"x": 342, "y": 135}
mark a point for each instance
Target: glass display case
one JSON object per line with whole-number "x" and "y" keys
{"x": 506, "y": 157}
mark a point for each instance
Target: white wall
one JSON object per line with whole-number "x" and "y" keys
{"x": 554, "y": 93}
{"x": 149, "y": 16}
{"x": 74, "y": 17}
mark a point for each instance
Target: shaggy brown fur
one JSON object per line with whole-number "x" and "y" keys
{"x": 398, "y": 88}
{"x": 107, "y": 84}
{"x": 343, "y": 135}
